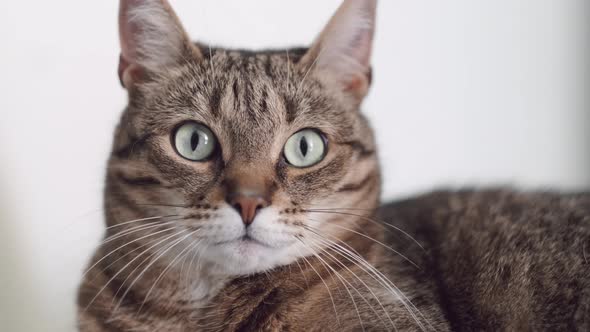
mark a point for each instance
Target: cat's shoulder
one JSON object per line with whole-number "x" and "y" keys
{"x": 501, "y": 221}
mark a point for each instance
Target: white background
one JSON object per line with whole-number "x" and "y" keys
{"x": 465, "y": 92}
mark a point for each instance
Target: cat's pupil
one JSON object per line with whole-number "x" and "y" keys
{"x": 194, "y": 140}
{"x": 303, "y": 146}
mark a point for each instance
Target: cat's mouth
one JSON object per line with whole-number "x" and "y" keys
{"x": 248, "y": 239}
{"x": 244, "y": 239}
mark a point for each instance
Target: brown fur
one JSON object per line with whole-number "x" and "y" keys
{"x": 503, "y": 260}
{"x": 491, "y": 260}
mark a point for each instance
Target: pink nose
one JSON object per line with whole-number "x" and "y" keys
{"x": 248, "y": 206}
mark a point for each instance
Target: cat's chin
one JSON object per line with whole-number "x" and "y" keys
{"x": 246, "y": 246}
{"x": 246, "y": 256}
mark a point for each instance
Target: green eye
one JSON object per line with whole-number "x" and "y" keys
{"x": 194, "y": 141}
{"x": 305, "y": 148}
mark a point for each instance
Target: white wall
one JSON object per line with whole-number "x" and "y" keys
{"x": 465, "y": 92}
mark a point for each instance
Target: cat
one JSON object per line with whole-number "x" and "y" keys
{"x": 243, "y": 194}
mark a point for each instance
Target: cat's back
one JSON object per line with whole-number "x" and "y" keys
{"x": 501, "y": 260}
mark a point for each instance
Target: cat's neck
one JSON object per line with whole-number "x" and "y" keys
{"x": 246, "y": 301}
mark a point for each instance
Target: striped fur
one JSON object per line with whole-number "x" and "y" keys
{"x": 173, "y": 258}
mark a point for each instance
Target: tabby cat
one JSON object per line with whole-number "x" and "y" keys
{"x": 242, "y": 194}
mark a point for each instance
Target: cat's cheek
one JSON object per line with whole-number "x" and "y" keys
{"x": 225, "y": 226}
{"x": 269, "y": 230}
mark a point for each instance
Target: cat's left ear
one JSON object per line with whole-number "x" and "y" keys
{"x": 342, "y": 51}
{"x": 152, "y": 39}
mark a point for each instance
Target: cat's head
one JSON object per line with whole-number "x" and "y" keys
{"x": 242, "y": 158}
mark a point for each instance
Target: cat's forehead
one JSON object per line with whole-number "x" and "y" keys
{"x": 248, "y": 98}
{"x": 269, "y": 62}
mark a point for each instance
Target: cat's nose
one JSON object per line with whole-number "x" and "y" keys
{"x": 248, "y": 206}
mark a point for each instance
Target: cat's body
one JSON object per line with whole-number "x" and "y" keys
{"x": 494, "y": 260}
{"x": 242, "y": 194}
{"x": 502, "y": 260}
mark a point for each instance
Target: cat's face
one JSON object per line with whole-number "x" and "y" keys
{"x": 241, "y": 154}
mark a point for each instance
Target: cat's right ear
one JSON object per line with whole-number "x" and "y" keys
{"x": 152, "y": 40}
{"x": 342, "y": 52}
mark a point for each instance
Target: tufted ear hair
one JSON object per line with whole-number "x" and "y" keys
{"x": 343, "y": 50}
{"x": 152, "y": 40}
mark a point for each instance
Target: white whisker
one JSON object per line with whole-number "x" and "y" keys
{"x": 309, "y": 70}
{"x": 383, "y": 280}
{"x": 380, "y": 222}
{"x": 342, "y": 280}
{"x": 211, "y": 62}
{"x": 358, "y": 278}
{"x": 302, "y": 273}
{"x": 378, "y": 242}
{"x": 181, "y": 254}
{"x": 325, "y": 284}
{"x": 152, "y": 262}
{"x": 190, "y": 266}
{"x": 137, "y": 220}
{"x": 131, "y": 252}
{"x": 123, "y": 246}
{"x": 287, "y": 82}
{"x": 135, "y": 229}
{"x": 124, "y": 267}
